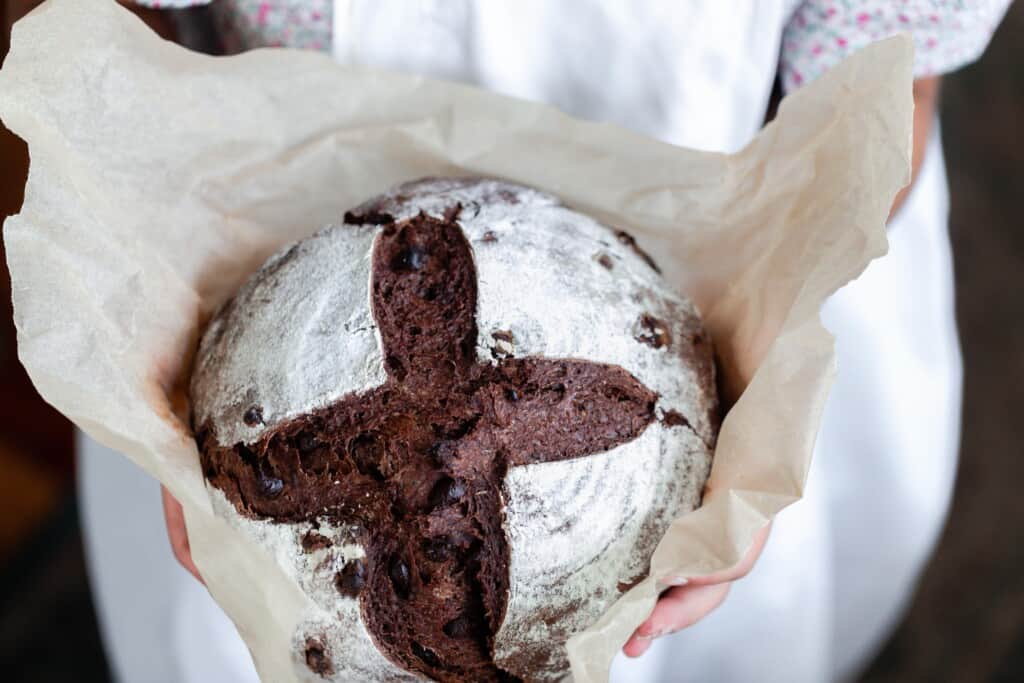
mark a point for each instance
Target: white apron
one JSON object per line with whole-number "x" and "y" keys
{"x": 841, "y": 563}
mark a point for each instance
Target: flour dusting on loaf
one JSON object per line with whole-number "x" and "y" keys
{"x": 461, "y": 420}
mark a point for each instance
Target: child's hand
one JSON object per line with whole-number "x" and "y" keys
{"x": 685, "y": 605}
{"x": 175, "y": 518}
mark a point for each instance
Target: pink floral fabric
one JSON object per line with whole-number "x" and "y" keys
{"x": 248, "y": 24}
{"x": 947, "y": 34}
{"x": 171, "y": 4}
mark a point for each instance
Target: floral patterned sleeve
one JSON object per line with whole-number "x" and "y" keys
{"x": 246, "y": 24}
{"x": 947, "y": 33}
{"x": 170, "y": 4}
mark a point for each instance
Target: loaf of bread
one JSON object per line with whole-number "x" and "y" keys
{"x": 461, "y": 421}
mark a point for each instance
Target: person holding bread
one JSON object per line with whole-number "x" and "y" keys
{"x": 816, "y": 597}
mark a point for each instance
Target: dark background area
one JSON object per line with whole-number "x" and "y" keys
{"x": 967, "y": 620}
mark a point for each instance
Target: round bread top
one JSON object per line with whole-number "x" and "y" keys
{"x": 489, "y": 405}
{"x": 550, "y": 282}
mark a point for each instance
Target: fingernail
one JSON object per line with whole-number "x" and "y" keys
{"x": 640, "y": 648}
{"x": 651, "y": 636}
{"x": 675, "y": 581}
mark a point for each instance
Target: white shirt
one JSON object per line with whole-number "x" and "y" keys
{"x": 841, "y": 563}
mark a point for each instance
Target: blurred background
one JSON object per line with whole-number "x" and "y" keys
{"x": 967, "y": 620}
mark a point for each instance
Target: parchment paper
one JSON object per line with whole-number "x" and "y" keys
{"x": 160, "y": 178}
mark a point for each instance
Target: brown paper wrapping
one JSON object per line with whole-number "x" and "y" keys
{"x": 160, "y": 178}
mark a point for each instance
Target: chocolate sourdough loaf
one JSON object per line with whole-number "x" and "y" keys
{"x": 461, "y": 421}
